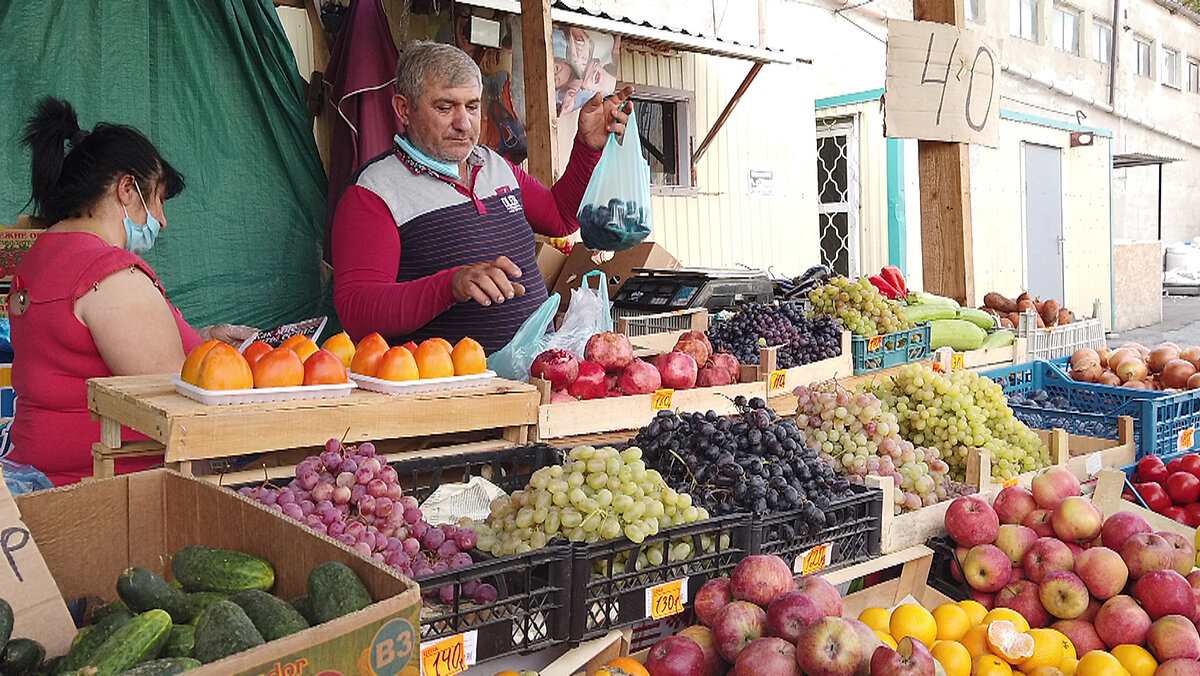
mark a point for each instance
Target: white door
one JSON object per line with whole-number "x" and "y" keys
{"x": 1043, "y": 220}
{"x": 838, "y": 194}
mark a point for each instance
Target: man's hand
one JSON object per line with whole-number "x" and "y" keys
{"x": 487, "y": 282}
{"x": 600, "y": 117}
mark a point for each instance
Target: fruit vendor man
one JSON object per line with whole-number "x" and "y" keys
{"x": 435, "y": 236}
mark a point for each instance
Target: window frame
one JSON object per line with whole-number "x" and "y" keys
{"x": 1057, "y": 31}
{"x": 1019, "y": 32}
{"x": 1173, "y": 71}
{"x": 974, "y": 11}
{"x": 685, "y": 133}
{"x": 1143, "y": 45}
{"x": 1105, "y": 49}
{"x": 1193, "y": 76}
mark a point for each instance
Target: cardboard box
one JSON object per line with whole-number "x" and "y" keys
{"x": 90, "y": 532}
{"x": 550, "y": 262}
{"x": 617, "y": 269}
{"x": 14, "y": 243}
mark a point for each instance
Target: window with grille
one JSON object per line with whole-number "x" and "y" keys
{"x": 1066, "y": 30}
{"x": 1193, "y": 81}
{"x": 838, "y": 194}
{"x": 1170, "y": 67}
{"x": 1023, "y": 17}
{"x": 1143, "y": 47}
{"x": 1101, "y": 42}
{"x": 663, "y": 118}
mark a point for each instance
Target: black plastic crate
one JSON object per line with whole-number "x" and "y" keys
{"x": 508, "y": 468}
{"x": 606, "y": 594}
{"x": 854, "y": 530}
{"x": 941, "y": 576}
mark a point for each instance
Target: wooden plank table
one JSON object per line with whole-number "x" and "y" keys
{"x": 184, "y": 430}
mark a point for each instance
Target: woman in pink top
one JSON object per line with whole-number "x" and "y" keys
{"x": 83, "y": 303}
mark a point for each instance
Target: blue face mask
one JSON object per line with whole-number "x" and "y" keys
{"x": 449, "y": 169}
{"x": 140, "y": 238}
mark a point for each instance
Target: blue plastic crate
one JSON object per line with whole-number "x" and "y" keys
{"x": 892, "y": 349}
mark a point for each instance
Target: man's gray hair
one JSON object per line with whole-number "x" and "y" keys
{"x": 422, "y": 61}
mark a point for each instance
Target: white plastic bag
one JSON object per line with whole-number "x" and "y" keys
{"x": 614, "y": 213}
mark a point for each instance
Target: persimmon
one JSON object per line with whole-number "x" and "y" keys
{"x": 397, "y": 364}
{"x": 366, "y": 357}
{"x": 324, "y": 368}
{"x": 410, "y": 346}
{"x": 190, "y": 373}
{"x": 341, "y": 345}
{"x": 443, "y": 342}
{"x": 224, "y": 368}
{"x": 468, "y": 357}
{"x": 433, "y": 360}
{"x": 372, "y": 338}
{"x": 302, "y": 345}
{"x": 254, "y": 351}
{"x": 281, "y": 367}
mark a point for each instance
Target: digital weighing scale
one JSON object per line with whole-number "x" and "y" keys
{"x": 652, "y": 291}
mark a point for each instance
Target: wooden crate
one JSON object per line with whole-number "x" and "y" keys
{"x": 783, "y": 381}
{"x": 648, "y": 340}
{"x": 184, "y": 430}
{"x": 983, "y": 360}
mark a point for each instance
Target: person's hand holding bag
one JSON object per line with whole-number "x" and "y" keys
{"x": 604, "y": 116}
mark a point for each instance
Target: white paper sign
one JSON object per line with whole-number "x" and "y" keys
{"x": 1093, "y": 464}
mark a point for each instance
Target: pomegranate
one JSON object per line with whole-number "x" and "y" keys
{"x": 678, "y": 370}
{"x": 610, "y": 379}
{"x": 1176, "y": 372}
{"x": 640, "y": 378}
{"x": 712, "y": 376}
{"x": 1159, "y": 357}
{"x": 1083, "y": 358}
{"x": 560, "y": 397}
{"x": 612, "y": 351}
{"x": 558, "y": 366}
{"x": 730, "y": 364}
{"x": 1131, "y": 369}
{"x": 696, "y": 344}
{"x": 591, "y": 383}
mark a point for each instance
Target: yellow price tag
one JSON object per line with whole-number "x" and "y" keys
{"x": 666, "y": 599}
{"x": 661, "y": 400}
{"x": 938, "y": 368}
{"x": 1187, "y": 438}
{"x": 1010, "y": 482}
{"x": 778, "y": 380}
{"x": 449, "y": 656}
{"x": 956, "y": 361}
{"x": 815, "y": 559}
{"x": 874, "y": 343}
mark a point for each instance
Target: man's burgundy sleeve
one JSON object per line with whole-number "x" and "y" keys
{"x": 551, "y": 211}
{"x": 366, "y": 259}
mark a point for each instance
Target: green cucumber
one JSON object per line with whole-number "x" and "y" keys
{"x": 1001, "y": 338}
{"x": 958, "y": 334}
{"x": 221, "y": 570}
{"x": 928, "y": 313}
{"x": 6, "y": 623}
{"x": 202, "y": 600}
{"x": 180, "y": 641}
{"x": 90, "y": 640}
{"x": 979, "y": 318}
{"x": 108, "y": 608}
{"x": 335, "y": 590}
{"x": 21, "y": 657}
{"x": 224, "y": 630}
{"x": 272, "y": 616}
{"x": 80, "y": 635}
{"x": 166, "y": 666}
{"x": 303, "y": 605}
{"x": 51, "y": 666}
{"x": 144, "y": 590}
{"x": 139, "y": 640}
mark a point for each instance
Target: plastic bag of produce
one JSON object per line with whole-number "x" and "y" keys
{"x": 22, "y": 478}
{"x": 587, "y": 315}
{"x": 615, "y": 212}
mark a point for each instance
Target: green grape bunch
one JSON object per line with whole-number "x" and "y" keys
{"x": 859, "y": 306}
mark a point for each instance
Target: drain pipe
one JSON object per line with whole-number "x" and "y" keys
{"x": 1114, "y": 55}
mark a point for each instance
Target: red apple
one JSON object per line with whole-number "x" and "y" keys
{"x": 1175, "y": 512}
{"x": 1024, "y": 597}
{"x": 1046, "y": 556}
{"x": 767, "y": 655}
{"x": 1154, "y": 495}
{"x": 1082, "y": 635}
{"x": 1165, "y": 592}
{"x": 1103, "y": 571}
{"x": 675, "y": 656}
{"x": 1145, "y": 552}
{"x": 1039, "y": 521}
{"x": 1150, "y": 468}
{"x": 1077, "y": 519}
{"x": 790, "y": 613}
{"x": 703, "y": 636}
{"x": 1089, "y": 615}
{"x": 1183, "y": 487}
{"x": 760, "y": 578}
{"x": 1191, "y": 515}
{"x": 1122, "y": 620}
{"x": 971, "y": 521}
{"x": 710, "y": 599}
{"x": 869, "y": 641}
{"x": 735, "y": 626}
{"x": 1064, "y": 595}
{"x": 986, "y": 568}
{"x": 1013, "y": 503}
{"x": 984, "y": 599}
{"x": 829, "y": 647}
{"x": 1175, "y": 465}
{"x": 1173, "y": 637}
{"x": 1014, "y": 541}
{"x": 1180, "y": 666}
{"x": 826, "y": 595}
{"x": 1118, "y": 527}
{"x": 910, "y": 658}
{"x": 1185, "y": 553}
{"x": 1054, "y": 484}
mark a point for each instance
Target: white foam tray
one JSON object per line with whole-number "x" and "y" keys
{"x": 424, "y": 385}
{"x": 262, "y": 394}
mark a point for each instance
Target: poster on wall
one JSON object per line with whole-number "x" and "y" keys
{"x": 585, "y": 65}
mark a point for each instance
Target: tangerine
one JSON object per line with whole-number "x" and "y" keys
{"x": 1013, "y": 645}
{"x": 366, "y": 356}
{"x": 1137, "y": 660}
{"x": 224, "y": 368}
{"x": 1047, "y": 650}
{"x": 397, "y": 364}
{"x": 190, "y": 373}
{"x": 975, "y": 641}
{"x": 468, "y": 357}
{"x": 280, "y": 367}
{"x": 876, "y": 618}
{"x": 912, "y": 619}
{"x": 953, "y": 657}
{"x": 629, "y": 665}
{"x": 975, "y": 610}
{"x": 324, "y": 368}
{"x": 1100, "y": 663}
{"x": 1009, "y": 614}
{"x": 302, "y": 345}
{"x": 433, "y": 361}
{"x": 341, "y": 345}
{"x": 254, "y": 351}
{"x": 952, "y": 621}
{"x": 990, "y": 665}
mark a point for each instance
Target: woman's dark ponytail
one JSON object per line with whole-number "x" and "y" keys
{"x": 47, "y": 134}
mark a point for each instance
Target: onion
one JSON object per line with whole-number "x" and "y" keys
{"x": 1131, "y": 369}
{"x": 1135, "y": 385}
{"x": 1119, "y": 356}
{"x": 1159, "y": 357}
{"x": 1108, "y": 378}
{"x": 1192, "y": 354}
{"x": 1139, "y": 348}
{"x": 1194, "y": 381}
{"x": 1084, "y": 358}
{"x": 1176, "y": 373}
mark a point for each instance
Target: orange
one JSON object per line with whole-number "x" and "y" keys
{"x": 1047, "y": 650}
{"x": 341, "y": 345}
{"x": 975, "y": 641}
{"x": 224, "y": 368}
{"x": 990, "y": 665}
{"x": 324, "y": 368}
{"x": 975, "y": 610}
{"x": 1069, "y": 665}
{"x": 1005, "y": 640}
{"x": 443, "y": 342}
{"x": 952, "y": 621}
{"x": 278, "y": 368}
{"x": 191, "y": 366}
{"x": 397, "y": 364}
{"x": 254, "y": 351}
{"x": 1068, "y": 647}
{"x": 629, "y": 666}
{"x": 468, "y": 357}
{"x": 886, "y": 638}
{"x": 302, "y": 345}
{"x": 366, "y": 356}
{"x": 912, "y": 619}
{"x": 953, "y": 657}
{"x": 1099, "y": 663}
{"x": 1137, "y": 660}
{"x": 1046, "y": 671}
{"x": 876, "y": 618}
{"x": 433, "y": 361}
{"x": 1009, "y": 614}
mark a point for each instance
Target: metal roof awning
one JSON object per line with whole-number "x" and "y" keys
{"x": 1129, "y": 160}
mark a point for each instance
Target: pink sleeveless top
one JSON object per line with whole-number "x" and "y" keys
{"x": 54, "y": 354}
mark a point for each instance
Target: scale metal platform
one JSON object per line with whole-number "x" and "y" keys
{"x": 652, "y": 291}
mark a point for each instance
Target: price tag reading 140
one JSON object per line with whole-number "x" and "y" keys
{"x": 666, "y": 599}
{"x": 449, "y": 656}
{"x": 778, "y": 380}
{"x": 816, "y": 559}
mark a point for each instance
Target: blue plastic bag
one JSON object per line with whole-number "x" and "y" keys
{"x": 22, "y": 478}
{"x": 614, "y": 214}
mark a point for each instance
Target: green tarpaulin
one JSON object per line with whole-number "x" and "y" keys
{"x": 214, "y": 84}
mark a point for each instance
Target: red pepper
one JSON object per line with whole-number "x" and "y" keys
{"x": 892, "y": 275}
{"x": 884, "y": 287}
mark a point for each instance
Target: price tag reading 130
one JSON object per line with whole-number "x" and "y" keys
{"x": 449, "y": 656}
{"x": 666, "y": 599}
{"x": 661, "y": 400}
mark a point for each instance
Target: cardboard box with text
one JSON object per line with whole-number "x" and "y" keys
{"x": 617, "y": 269}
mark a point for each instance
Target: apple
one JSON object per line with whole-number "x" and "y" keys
{"x": 1175, "y": 465}
{"x": 703, "y": 636}
{"x": 1013, "y": 503}
{"x": 710, "y": 599}
{"x": 790, "y": 613}
{"x": 1175, "y": 513}
{"x": 1191, "y": 514}
{"x": 971, "y": 521}
{"x": 910, "y": 658}
{"x": 829, "y": 647}
{"x": 1023, "y": 596}
{"x": 735, "y": 626}
{"x": 1144, "y": 552}
{"x": 1054, "y": 484}
{"x": 985, "y": 599}
{"x": 1064, "y": 595}
{"x": 1183, "y": 487}
{"x": 1103, "y": 571}
{"x": 1018, "y": 574}
{"x": 1190, "y": 463}
{"x": 1045, "y": 556}
{"x": 1089, "y": 615}
{"x": 960, "y": 555}
{"x": 1185, "y": 552}
{"x": 675, "y": 656}
{"x": 1121, "y": 620}
{"x": 1173, "y": 637}
{"x": 759, "y": 578}
{"x": 1082, "y": 635}
{"x": 1178, "y": 667}
{"x": 767, "y": 655}
{"x": 1118, "y": 527}
{"x": 1077, "y": 519}
{"x": 1150, "y": 468}
{"x": 1154, "y": 495}
{"x": 1165, "y": 592}
{"x": 820, "y": 590}
{"x": 1039, "y": 521}
{"x": 1014, "y": 541}
{"x": 986, "y": 568}
{"x": 1075, "y": 549}
{"x": 869, "y": 641}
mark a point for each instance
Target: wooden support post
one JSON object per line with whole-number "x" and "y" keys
{"x": 541, "y": 123}
{"x": 945, "y": 177}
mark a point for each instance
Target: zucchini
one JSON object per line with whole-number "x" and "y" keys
{"x": 957, "y": 334}
{"x": 922, "y": 298}
{"x": 6, "y": 623}
{"x": 928, "y": 313}
{"x": 1001, "y": 338}
{"x": 272, "y": 617}
{"x": 144, "y": 590}
{"x": 21, "y": 657}
{"x": 224, "y": 630}
{"x": 335, "y": 590}
{"x": 979, "y": 318}
{"x": 221, "y": 570}
{"x": 166, "y": 666}
{"x": 202, "y": 600}
{"x": 180, "y": 641}
{"x": 89, "y": 640}
{"x": 139, "y": 640}
{"x": 303, "y": 605}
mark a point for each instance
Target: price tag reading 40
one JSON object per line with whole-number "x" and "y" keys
{"x": 449, "y": 656}
{"x": 816, "y": 559}
{"x": 666, "y": 599}
{"x": 661, "y": 400}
